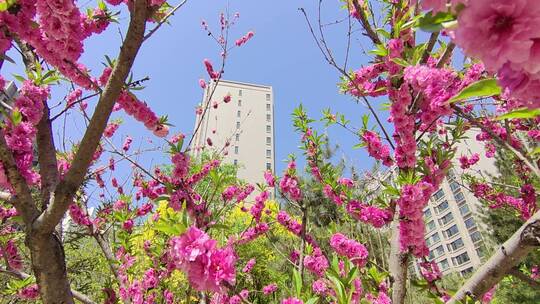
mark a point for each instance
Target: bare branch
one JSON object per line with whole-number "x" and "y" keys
{"x": 66, "y": 188}
{"x": 362, "y": 18}
{"x": 501, "y": 263}
{"x": 164, "y": 19}
{"x": 515, "y": 272}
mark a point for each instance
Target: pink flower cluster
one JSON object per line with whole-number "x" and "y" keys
{"x": 293, "y": 226}
{"x": 181, "y": 166}
{"x": 369, "y": 214}
{"x": 316, "y": 262}
{"x": 411, "y": 203}
{"x": 526, "y": 205}
{"x": 142, "y": 113}
{"x": 404, "y": 125}
{"x": 271, "y": 288}
{"x": 249, "y": 265}
{"x": 367, "y": 83}
{"x": 535, "y": 272}
{"x": 319, "y": 287}
{"x": 78, "y": 216}
{"x": 11, "y": 254}
{"x": 291, "y": 301}
{"x": 210, "y": 69}
{"x": 30, "y": 292}
{"x": 466, "y": 162}
{"x": 244, "y": 38}
{"x": 253, "y": 232}
{"x": 289, "y": 184}
{"x": 229, "y": 193}
{"x": 208, "y": 268}
{"x": 376, "y": 149}
{"x": 351, "y": 249}
{"x": 430, "y": 271}
{"x": 257, "y": 208}
{"x": 504, "y": 36}
{"x": 270, "y": 179}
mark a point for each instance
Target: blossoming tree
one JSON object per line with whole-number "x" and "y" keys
{"x": 153, "y": 253}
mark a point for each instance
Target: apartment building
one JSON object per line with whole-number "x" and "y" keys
{"x": 243, "y": 128}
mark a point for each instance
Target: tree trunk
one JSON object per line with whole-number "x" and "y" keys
{"x": 397, "y": 264}
{"x": 515, "y": 249}
{"x": 49, "y": 267}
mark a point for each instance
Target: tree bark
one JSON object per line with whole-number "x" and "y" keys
{"x": 49, "y": 267}
{"x": 515, "y": 249}
{"x": 397, "y": 264}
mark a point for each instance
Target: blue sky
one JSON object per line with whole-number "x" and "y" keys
{"x": 282, "y": 54}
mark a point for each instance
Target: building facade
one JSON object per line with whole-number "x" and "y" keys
{"x": 243, "y": 128}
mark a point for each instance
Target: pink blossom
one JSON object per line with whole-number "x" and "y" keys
{"x": 316, "y": 262}
{"x": 268, "y": 289}
{"x": 127, "y": 225}
{"x": 291, "y": 301}
{"x": 351, "y": 249}
{"x": 249, "y": 266}
{"x": 269, "y": 178}
{"x": 30, "y": 292}
{"x": 319, "y": 287}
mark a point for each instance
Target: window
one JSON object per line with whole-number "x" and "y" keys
{"x": 239, "y": 92}
{"x": 433, "y": 239}
{"x": 268, "y": 129}
{"x": 450, "y": 232}
{"x": 427, "y": 213}
{"x": 466, "y": 271}
{"x": 268, "y": 107}
{"x": 237, "y": 137}
{"x": 442, "y": 207}
{"x": 459, "y": 196}
{"x": 268, "y": 153}
{"x": 464, "y": 209}
{"x": 235, "y": 149}
{"x": 268, "y": 118}
{"x": 470, "y": 222}
{"x": 238, "y": 125}
{"x": 475, "y": 236}
{"x": 443, "y": 265}
{"x": 446, "y": 219}
{"x": 239, "y": 102}
{"x": 267, "y": 97}
{"x": 455, "y": 245}
{"x": 438, "y": 195}
{"x": 235, "y": 162}
{"x": 268, "y": 166}
{"x": 454, "y": 186}
{"x": 268, "y": 140}
{"x": 460, "y": 259}
{"x": 430, "y": 225}
{"x": 238, "y": 114}
{"x": 438, "y": 251}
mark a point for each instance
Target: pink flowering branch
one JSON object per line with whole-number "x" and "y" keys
{"x": 515, "y": 272}
{"x": 83, "y": 158}
{"x": 21, "y": 276}
{"x": 515, "y": 249}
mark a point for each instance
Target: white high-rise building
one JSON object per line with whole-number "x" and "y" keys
{"x": 243, "y": 127}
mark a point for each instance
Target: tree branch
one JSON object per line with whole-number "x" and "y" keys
{"x": 515, "y": 272}
{"x": 66, "y": 188}
{"x": 361, "y": 16}
{"x": 515, "y": 249}
{"x": 21, "y": 276}
{"x": 397, "y": 264}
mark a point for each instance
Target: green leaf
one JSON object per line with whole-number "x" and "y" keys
{"x": 16, "y": 117}
{"x": 430, "y": 23}
{"x": 312, "y": 300}
{"x": 481, "y": 88}
{"x": 401, "y": 62}
{"x": 297, "y": 280}
{"x": 536, "y": 151}
{"x": 523, "y": 113}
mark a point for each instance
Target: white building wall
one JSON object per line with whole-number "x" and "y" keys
{"x": 246, "y": 122}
